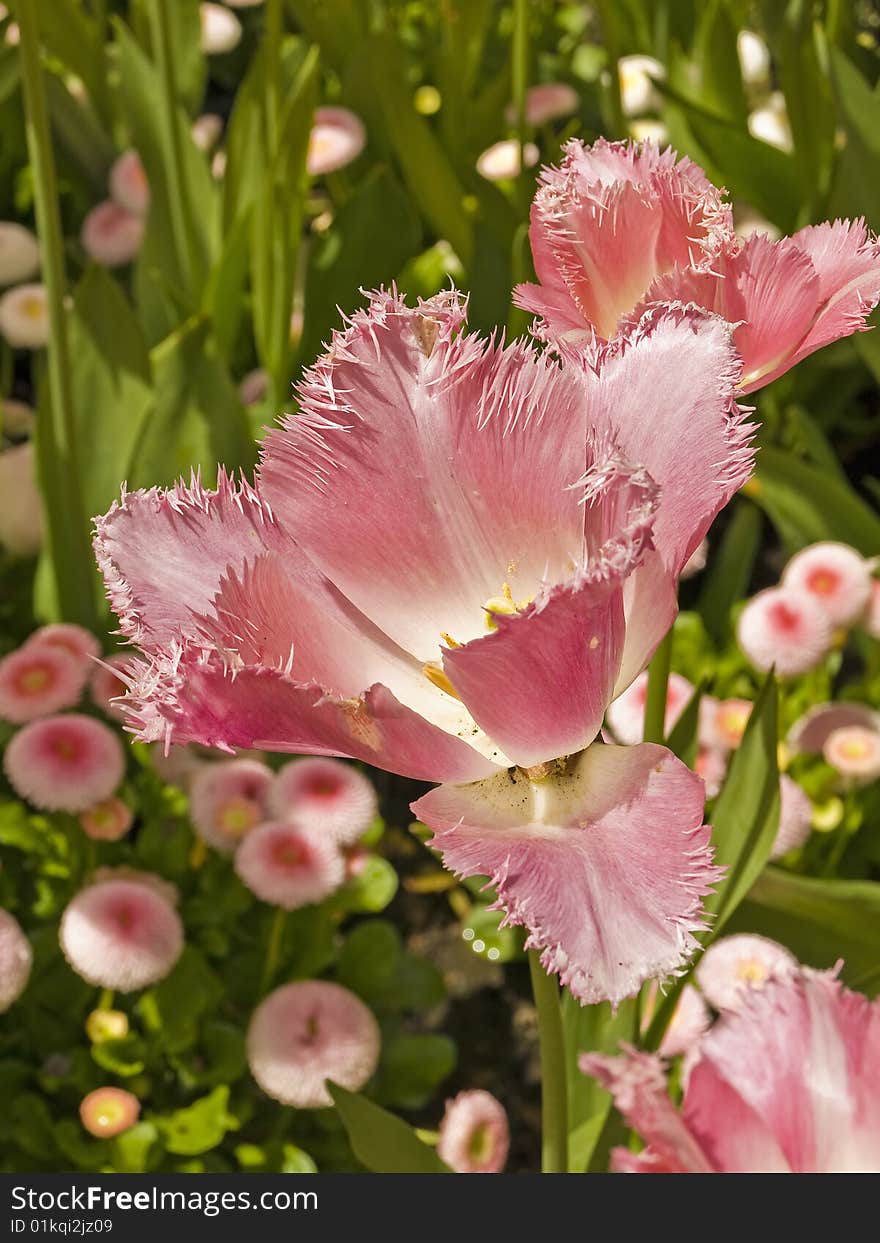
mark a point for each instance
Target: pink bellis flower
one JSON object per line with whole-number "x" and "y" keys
{"x": 455, "y": 557}
{"x": 620, "y": 226}
{"x": 786, "y": 1084}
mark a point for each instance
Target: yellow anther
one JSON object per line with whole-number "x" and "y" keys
{"x": 448, "y": 639}
{"x": 438, "y": 677}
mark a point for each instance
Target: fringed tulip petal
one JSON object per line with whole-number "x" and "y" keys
{"x": 605, "y": 864}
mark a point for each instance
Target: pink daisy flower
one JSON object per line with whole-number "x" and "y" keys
{"x": 289, "y": 865}
{"x": 474, "y": 1134}
{"x": 325, "y": 795}
{"x": 76, "y": 640}
{"x": 501, "y": 161}
{"x": 784, "y": 628}
{"x": 795, "y": 818}
{"x": 16, "y": 958}
{"x": 64, "y": 763}
{"x": 443, "y": 635}
{"x": 788, "y": 1084}
{"x": 306, "y": 1033}
{"x": 689, "y": 1023}
{"x": 336, "y": 139}
{"x": 121, "y": 934}
{"x": 810, "y": 733}
{"x": 711, "y": 766}
{"x": 626, "y": 716}
{"x": 108, "y": 821}
{"x": 618, "y": 227}
{"x": 855, "y": 752}
{"x": 723, "y": 722}
{"x": 21, "y": 513}
{"x": 836, "y": 576}
{"x": 111, "y": 235}
{"x": 549, "y": 101}
{"x": 229, "y": 799}
{"x": 872, "y": 617}
{"x": 735, "y": 966}
{"x": 221, "y": 29}
{"x": 128, "y": 183}
{"x": 38, "y": 680}
{"x": 108, "y": 683}
{"x": 106, "y": 1112}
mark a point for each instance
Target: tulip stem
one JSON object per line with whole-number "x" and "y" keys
{"x": 175, "y": 173}
{"x": 66, "y": 519}
{"x": 554, "y": 1089}
{"x": 658, "y": 683}
{"x": 273, "y": 949}
{"x": 520, "y": 80}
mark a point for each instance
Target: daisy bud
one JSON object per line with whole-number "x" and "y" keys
{"x": 75, "y": 640}
{"x": 17, "y": 419}
{"x": 111, "y": 235}
{"x": 21, "y": 510}
{"x": 696, "y": 562}
{"x": 19, "y": 253}
{"x": 229, "y": 799}
{"x": 289, "y": 866}
{"x": 16, "y": 957}
{"x": 337, "y": 138}
{"x": 24, "y": 317}
{"x": 754, "y": 57}
{"x": 306, "y": 1033}
{"x": 128, "y": 183}
{"x": 855, "y": 753}
{"x": 206, "y": 130}
{"x": 64, "y": 763}
{"x": 36, "y": 681}
{"x": 637, "y": 91}
{"x": 770, "y": 123}
{"x": 500, "y": 162}
{"x": 121, "y": 934}
{"x": 109, "y": 1111}
{"x": 106, "y": 686}
{"x": 785, "y": 628}
{"x": 104, "y": 1025}
{"x": 549, "y": 101}
{"x": 254, "y": 387}
{"x": 626, "y": 716}
{"x": 326, "y": 795}
{"x": 734, "y": 966}
{"x": 795, "y": 818}
{"x": 221, "y": 30}
{"x": 837, "y": 578}
{"x": 108, "y": 821}
{"x": 474, "y": 1134}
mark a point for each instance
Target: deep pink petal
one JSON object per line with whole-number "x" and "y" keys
{"x": 638, "y": 1085}
{"x": 794, "y": 1071}
{"x": 540, "y": 683}
{"x": 193, "y": 697}
{"x": 428, "y": 468}
{"x": 605, "y": 863}
{"x": 607, "y": 222}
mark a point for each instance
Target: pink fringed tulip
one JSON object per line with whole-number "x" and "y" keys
{"x": 500, "y": 560}
{"x": 788, "y": 1084}
{"x": 618, "y": 227}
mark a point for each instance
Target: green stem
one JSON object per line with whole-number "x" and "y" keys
{"x": 609, "y": 38}
{"x": 175, "y": 175}
{"x": 273, "y": 949}
{"x": 66, "y": 518}
{"x": 554, "y": 1090}
{"x": 520, "y": 81}
{"x": 658, "y": 682}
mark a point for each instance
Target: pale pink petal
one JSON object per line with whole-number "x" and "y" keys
{"x": 638, "y": 1085}
{"x": 811, "y": 731}
{"x": 604, "y": 863}
{"x": 801, "y": 1058}
{"x": 607, "y": 222}
{"x": 540, "y": 683}
{"x": 196, "y": 698}
{"x": 427, "y": 469}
